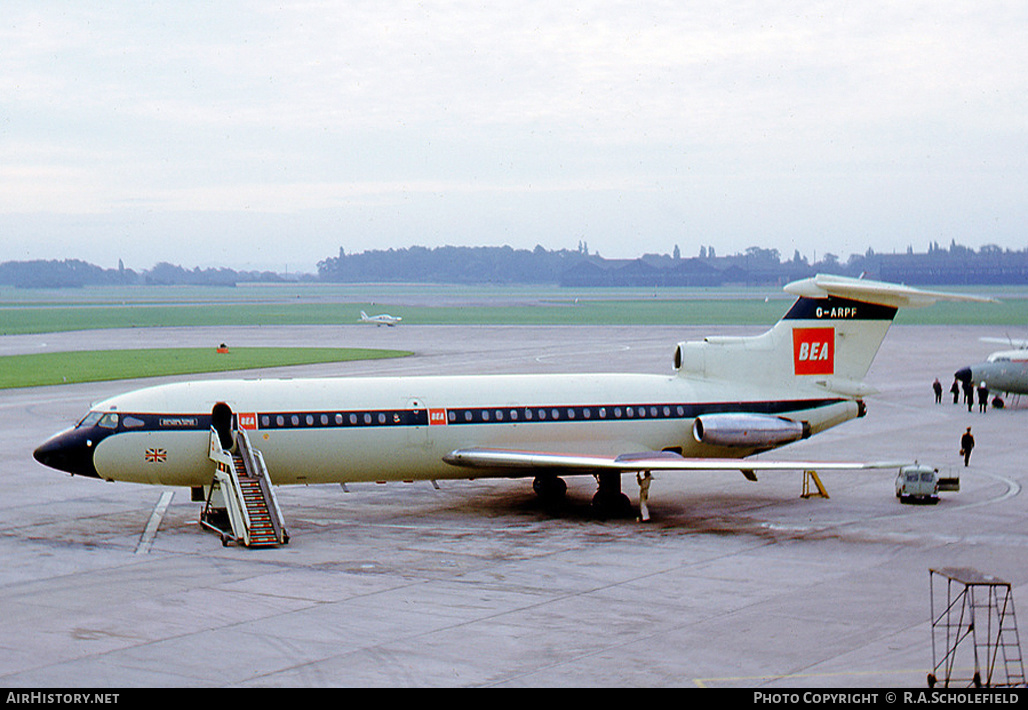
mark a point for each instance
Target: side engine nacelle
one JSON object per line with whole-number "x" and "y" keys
{"x": 749, "y": 430}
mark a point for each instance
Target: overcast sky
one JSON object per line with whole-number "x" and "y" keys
{"x": 270, "y": 134}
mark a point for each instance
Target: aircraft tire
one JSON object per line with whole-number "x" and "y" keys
{"x": 551, "y": 489}
{"x": 613, "y": 505}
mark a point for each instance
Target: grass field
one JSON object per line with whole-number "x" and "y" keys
{"x": 96, "y": 366}
{"x": 139, "y": 307}
{"x": 55, "y": 310}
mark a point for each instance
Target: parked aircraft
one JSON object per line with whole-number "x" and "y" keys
{"x": 381, "y": 319}
{"x": 1004, "y": 371}
{"x": 727, "y": 399}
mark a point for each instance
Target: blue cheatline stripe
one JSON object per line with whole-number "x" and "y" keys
{"x": 461, "y": 416}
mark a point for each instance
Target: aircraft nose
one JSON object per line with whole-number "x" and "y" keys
{"x": 70, "y": 451}
{"x": 963, "y": 374}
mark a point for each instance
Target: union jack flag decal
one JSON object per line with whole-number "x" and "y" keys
{"x": 156, "y": 455}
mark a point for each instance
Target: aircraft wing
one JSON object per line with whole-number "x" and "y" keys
{"x": 643, "y": 461}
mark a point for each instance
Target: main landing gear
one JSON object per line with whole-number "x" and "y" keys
{"x": 608, "y": 502}
{"x": 551, "y": 489}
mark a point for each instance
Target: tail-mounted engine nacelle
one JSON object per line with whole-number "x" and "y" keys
{"x": 749, "y": 430}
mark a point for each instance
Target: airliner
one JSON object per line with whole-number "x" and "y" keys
{"x": 380, "y": 319}
{"x": 726, "y": 399}
{"x": 1003, "y": 371}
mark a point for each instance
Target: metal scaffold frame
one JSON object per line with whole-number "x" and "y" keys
{"x": 978, "y": 608}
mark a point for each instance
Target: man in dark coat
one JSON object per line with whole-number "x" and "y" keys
{"x": 966, "y": 444}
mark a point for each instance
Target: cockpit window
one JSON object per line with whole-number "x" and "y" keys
{"x": 90, "y": 419}
{"x": 108, "y": 421}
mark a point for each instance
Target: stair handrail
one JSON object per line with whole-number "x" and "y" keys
{"x": 256, "y": 464}
{"x": 227, "y": 470}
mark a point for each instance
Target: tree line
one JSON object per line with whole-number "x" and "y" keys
{"x": 567, "y": 267}
{"x": 74, "y": 273}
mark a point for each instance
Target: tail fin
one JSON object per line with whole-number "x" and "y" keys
{"x": 828, "y": 338}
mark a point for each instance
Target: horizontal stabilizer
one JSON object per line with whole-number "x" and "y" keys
{"x": 888, "y": 294}
{"x": 643, "y": 461}
{"x": 1012, "y": 344}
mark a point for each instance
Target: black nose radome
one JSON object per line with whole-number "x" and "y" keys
{"x": 963, "y": 374}
{"x": 70, "y": 451}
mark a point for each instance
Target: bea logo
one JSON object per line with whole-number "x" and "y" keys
{"x": 813, "y": 351}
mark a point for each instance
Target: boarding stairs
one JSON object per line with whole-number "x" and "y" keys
{"x": 241, "y": 505}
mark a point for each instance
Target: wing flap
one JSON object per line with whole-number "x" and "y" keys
{"x": 641, "y": 461}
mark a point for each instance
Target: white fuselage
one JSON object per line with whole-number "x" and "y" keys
{"x": 376, "y": 429}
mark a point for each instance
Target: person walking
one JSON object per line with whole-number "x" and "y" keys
{"x": 983, "y": 397}
{"x": 937, "y": 388}
{"x": 966, "y": 445}
{"x": 955, "y": 389}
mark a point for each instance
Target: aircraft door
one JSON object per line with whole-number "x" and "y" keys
{"x": 417, "y": 430}
{"x": 223, "y": 421}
